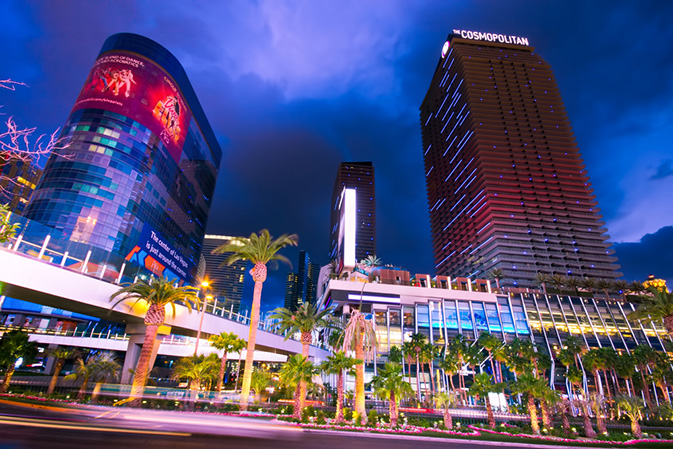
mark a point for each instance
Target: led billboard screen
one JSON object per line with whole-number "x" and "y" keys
{"x": 137, "y": 88}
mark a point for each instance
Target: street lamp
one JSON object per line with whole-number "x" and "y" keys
{"x": 204, "y": 285}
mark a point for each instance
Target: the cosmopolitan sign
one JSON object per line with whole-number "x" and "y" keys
{"x": 491, "y": 37}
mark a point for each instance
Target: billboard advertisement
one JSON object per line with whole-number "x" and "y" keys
{"x": 158, "y": 256}
{"x": 137, "y": 88}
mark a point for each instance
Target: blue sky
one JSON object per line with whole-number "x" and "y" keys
{"x": 293, "y": 88}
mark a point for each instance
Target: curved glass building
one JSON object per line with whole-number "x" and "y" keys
{"x": 136, "y": 174}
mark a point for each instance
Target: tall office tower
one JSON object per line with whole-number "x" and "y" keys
{"x": 358, "y": 176}
{"x": 136, "y": 177}
{"x": 506, "y": 185}
{"x": 226, "y": 281}
{"x": 18, "y": 178}
{"x": 291, "y": 291}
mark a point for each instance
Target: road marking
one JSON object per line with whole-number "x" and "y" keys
{"x": 56, "y": 425}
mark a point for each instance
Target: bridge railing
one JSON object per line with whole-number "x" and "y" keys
{"x": 35, "y": 240}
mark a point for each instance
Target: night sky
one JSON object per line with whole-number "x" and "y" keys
{"x": 293, "y": 88}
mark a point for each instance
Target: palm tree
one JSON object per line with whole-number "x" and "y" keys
{"x": 416, "y": 345}
{"x": 559, "y": 282}
{"x": 594, "y": 362}
{"x": 542, "y": 279}
{"x": 574, "y": 283}
{"x": 637, "y": 288}
{"x": 105, "y": 367}
{"x": 490, "y": 343}
{"x": 656, "y": 306}
{"x": 622, "y": 286}
{"x": 626, "y": 369}
{"x": 197, "y": 369}
{"x": 481, "y": 387}
{"x": 82, "y": 370}
{"x": 597, "y": 405}
{"x": 548, "y": 398}
{"x": 589, "y": 284}
{"x": 532, "y": 387}
{"x": 606, "y": 285}
{"x": 61, "y": 354}
{"x": 632, "y": 406}
{"x": 307, "y": 319}
{"x": 157, "y": 293}
{"x": 260, "y": 250}
{"x": 260, "y": 380}
{"x": 371, "y": 261}
{"x": 395, "y": 354}
{"x": 451, "y": 365}
{"x": 390, "y": 382}
{"x": 644, "y": 358}
{"x": 333, "y": 269}
{"x": 238, "y": 347}
{"x": 360, "y": 337}
{"x": 296, "y": 370}
{"x": 226, "y": 342}
{"x": 338, "y": 363}
{"x": 13, "y": 346}
{"x": 497, "y": 275}
{"x": 446, "y": 401}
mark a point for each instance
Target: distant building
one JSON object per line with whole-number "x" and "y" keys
{"x": 291, "y": 291}
{"x": 226, "y": 281}
{"x": 506, "y": 185}
{"x": 302, "y": 286}
{"x": 17, "y": 182}
{"x": 360, "y": 177}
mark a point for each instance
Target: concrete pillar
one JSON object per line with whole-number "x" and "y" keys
{"x": 136, "y": 333}
{"x": 50, "y": 362}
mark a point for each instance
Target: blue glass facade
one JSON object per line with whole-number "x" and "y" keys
{"x": 128, "y": 168}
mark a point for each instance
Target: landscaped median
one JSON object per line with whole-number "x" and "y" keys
{"x": 479, "y": 433}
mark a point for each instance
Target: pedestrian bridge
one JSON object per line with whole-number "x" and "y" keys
{"x": 33, "y": 272}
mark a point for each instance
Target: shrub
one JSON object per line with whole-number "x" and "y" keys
{"x": 372, "y": 418}
{"x": 320, "y": 417}
{"x": 348, "y": 414}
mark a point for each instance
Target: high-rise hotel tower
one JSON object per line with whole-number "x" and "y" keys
{"x": 358, "y": 176}
{"x": 506, "y": 185}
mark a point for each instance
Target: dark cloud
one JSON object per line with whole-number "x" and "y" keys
{"x": 651, "y": 255}
{"x": 293, "y": 88}
{"x": 664, "y": 170}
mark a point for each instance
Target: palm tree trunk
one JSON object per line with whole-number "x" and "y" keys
{"x": 453, "y": 387}
{"x": 304, "y": 352}
{"x": 533, "y": 415}
{"x": 393, "y": 409}
{"x": 600, "y": 423}
{"x": 360, "y": 385}
{"x": 489, "y": 412}
{"x": 565, "y": 421}
{"x": 82, "y": 389}
{"x": 252, "y": 337}
{"x": 546, "y": 420}
{"x": 54, "y": 378}
{"x": 448, "y": 421}
{"x": 142, "y": 369}
{"x": 220, "y": 377}
{"x": 432, "y": 379}
{"x": 340, "y": 398}
{"x": 646, "y": 389}
{"x": 9, "y": 372}
{"x": 96, "y": 392}
{"x": 425, "y": 388}
{"x": 588, "y": 428}
{"x": 664, "y": 389}
{"x": 418, "y": 380}
{"x": 297, "y": 403}
{"x": 635, "y": 429}
{"x": 238, "y": 369}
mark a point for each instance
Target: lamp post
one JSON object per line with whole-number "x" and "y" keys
{"x": 205, "y": 284}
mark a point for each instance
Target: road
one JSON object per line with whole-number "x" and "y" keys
{"x": 23, "y": 427}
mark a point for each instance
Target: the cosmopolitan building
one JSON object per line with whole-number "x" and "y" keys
{"x": 137, "y": 174}
{"x": 358, "y": 176}
{"x": 506, "y": 185}
{"x": 443, "y": 307}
